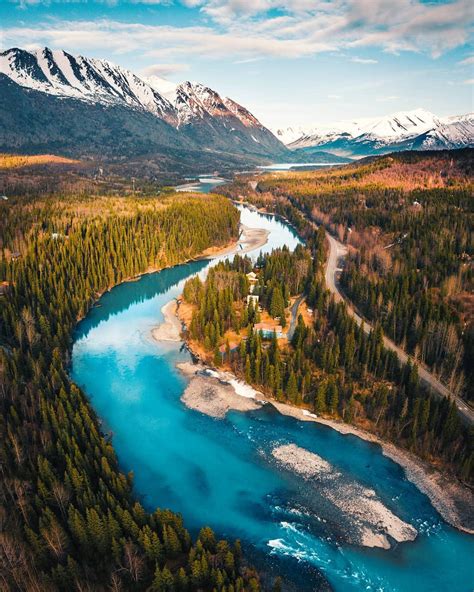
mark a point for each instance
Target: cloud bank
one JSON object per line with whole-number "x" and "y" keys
{"x": 265, "y": 28}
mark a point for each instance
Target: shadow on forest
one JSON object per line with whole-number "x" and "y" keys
{"x": 130, "y": 293}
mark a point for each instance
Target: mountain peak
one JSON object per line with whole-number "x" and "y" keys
{"x": 197, "y": 112}
{"x": 402, "y": 130}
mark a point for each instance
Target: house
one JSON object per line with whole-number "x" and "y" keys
{"x": 15, "y": 255}
{"x": 268, "y": 330}
{"x": 252, "y": 298}
{"x": 252, "y": 277}
{"x": 4, "y": 197}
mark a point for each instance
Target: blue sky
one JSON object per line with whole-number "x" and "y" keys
{"x": 289, "y": 61}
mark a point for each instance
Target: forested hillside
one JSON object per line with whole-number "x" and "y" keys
{"x": 408, "y": 221}
{"x": 69, "y": 517}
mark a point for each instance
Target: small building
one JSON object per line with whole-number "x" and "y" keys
{"x": 15, "y": 255}
{"x": 3, "y": 197}
{"x": 252, "y": 277}
{"x": 252, "y": 298}
{"x": 268, "y": 330}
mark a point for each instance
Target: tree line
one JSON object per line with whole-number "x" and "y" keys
{"x": 70, "y": 519}
{"x": 408, "y": 222}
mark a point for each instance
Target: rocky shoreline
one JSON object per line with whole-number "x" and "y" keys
{"x": 369, "y": 522}
{"x": 212, "y": 393}
{"x": 454, "y": 501}
{"x": 215, "y": 393}
{"x": 170, "y": 328}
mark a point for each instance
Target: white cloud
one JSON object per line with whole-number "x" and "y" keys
{"x": 469, "y": 81}
{"x": 467, "y": 62}
{"x": 336, "y": 97}
{"x": 164, "y": 69}
{"x": 159, "y": 41}
{"x": 244, "y": 30}
{"x": 363, "y": 60}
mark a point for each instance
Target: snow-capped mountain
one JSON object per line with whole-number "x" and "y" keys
{"x": 407, "y": 130}
{"x": 197, "y": 104}
{"x": 451, "y": 132}
{"x": 61, "y": 74}
{"x": 199, "y": 115}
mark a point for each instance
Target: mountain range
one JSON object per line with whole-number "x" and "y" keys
{"x": 52, "y": 100}
{"x": 406, "y": 130}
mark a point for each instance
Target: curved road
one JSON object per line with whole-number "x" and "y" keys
{"x": 337, "y": 253}
{"x": 294, "y": 317}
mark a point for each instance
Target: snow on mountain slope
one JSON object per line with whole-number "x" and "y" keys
{"x": 403, "y": 124}
{"x": 203, "y": 113}
{"x": 452, "y": 132}
{"x": 417, "y": 129}
{"x": 246, "y": 118}
{"x": 201, "y": 119}
{"x": 98, "y": 81}
{"x": 61, "y": 74}
{"x": 194, "y": 101}
{"x": 288, "y": 135}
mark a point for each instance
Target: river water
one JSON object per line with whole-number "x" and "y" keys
{"x": 221, "y": 472}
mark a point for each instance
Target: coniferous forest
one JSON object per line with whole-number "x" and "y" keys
{"x": 329, "y": 365}
{"x": 69, "y": 519}
{"x": 236, "y": 296}
{"x": 407, "y": 220}
{"x": 418, "y": 291}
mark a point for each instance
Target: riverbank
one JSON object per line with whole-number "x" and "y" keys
{"x": 454, "y": 501}
{"x": 368, "y": 521}
{"x": 170, "y": 329}
{"x": 250, "y": 239}
{"x": 213, "y": 393}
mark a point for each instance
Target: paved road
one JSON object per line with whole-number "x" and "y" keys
{"x": 294, "y": 317}
{"x": 337, "y": 253}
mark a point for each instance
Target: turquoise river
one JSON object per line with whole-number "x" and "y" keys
{"x": 220, "y": 471}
